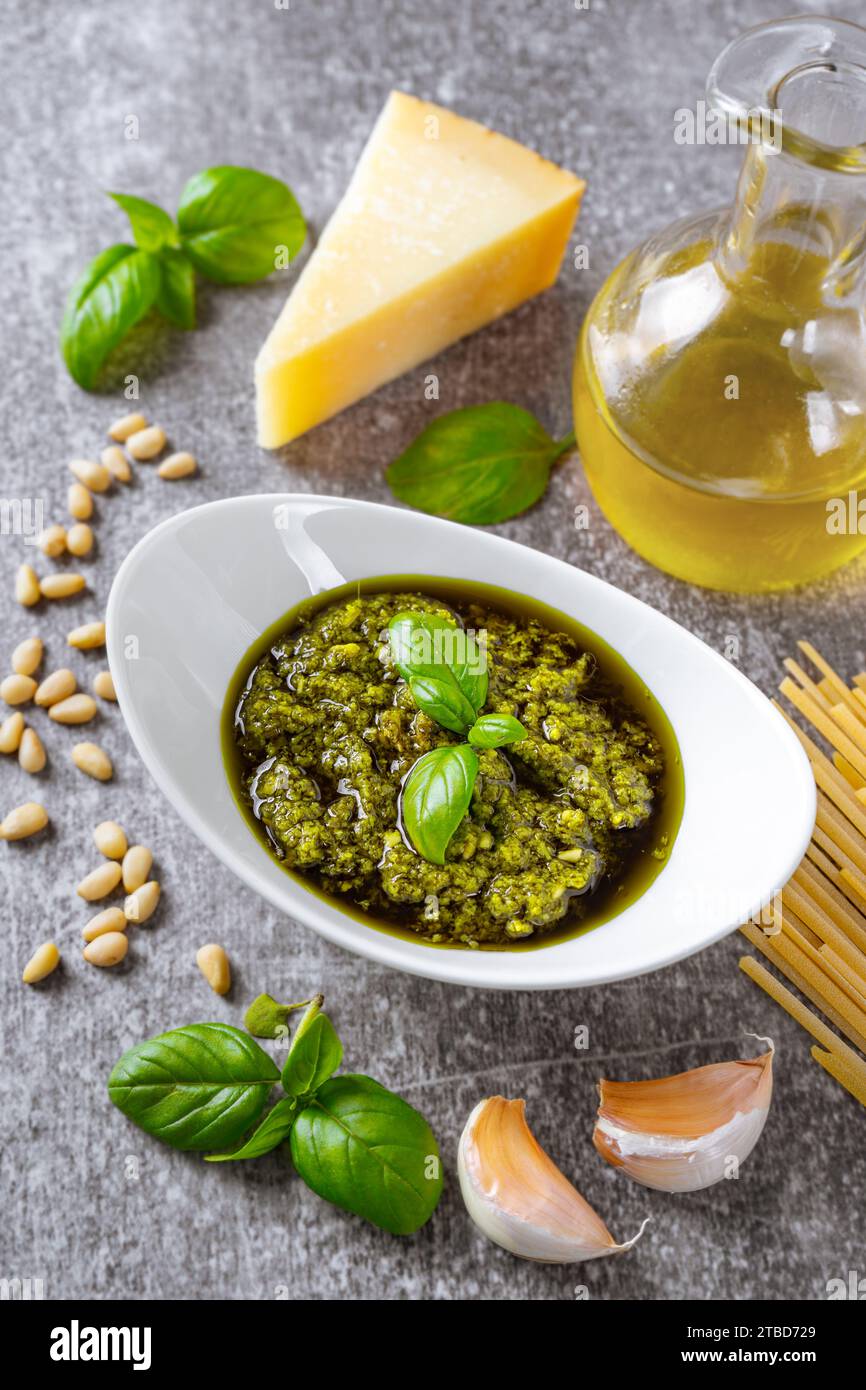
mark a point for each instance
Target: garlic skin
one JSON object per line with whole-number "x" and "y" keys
{"x": 679, "y": 1133}
{"x": 518, "y": 1197}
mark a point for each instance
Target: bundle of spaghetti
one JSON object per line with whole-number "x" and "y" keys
{"x": 817, "y": 935}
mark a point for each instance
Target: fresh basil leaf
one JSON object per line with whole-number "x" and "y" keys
{"x": 233, "y": 222}
{"x": 366, "y": 1150}
{"x": 265, "y": 1018}
{"x": 495, "y": 730}
{"x": 444, "y": 665}
{"x": 315, "y": 1054}
{"x": 151, "y": 225}
{"x": 436, "y": 796}
{"x": 199, "y": 1087}
{"x": 479, "y": 465}
{"x": 176, "y": 296}
{"x": 274, "y": 1129}
{"x": 112, "y": 294}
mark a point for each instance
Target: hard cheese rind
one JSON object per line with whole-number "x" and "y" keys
{"x": 445, "y": 226}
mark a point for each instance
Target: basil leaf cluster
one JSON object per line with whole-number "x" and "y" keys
{"x": 445, "y": 668}
{"x": 233, "y": 225}
{"x": 353, "y": 1142}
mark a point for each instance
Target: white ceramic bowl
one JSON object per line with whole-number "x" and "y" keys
{"x": 199, "y": 589}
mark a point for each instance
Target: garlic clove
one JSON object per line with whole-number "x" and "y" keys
{"x": 518, "y": 1197}
{"x": 683, "y": 1133}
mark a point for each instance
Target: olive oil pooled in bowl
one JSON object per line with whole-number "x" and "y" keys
{"x": 509, "y": 784}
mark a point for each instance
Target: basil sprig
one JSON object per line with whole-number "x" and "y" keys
{"x": 234, "y": 225}
{"x": 445, "y": 668}
{"x": 479, "y": 465}
{"x": 352, "y": 1141}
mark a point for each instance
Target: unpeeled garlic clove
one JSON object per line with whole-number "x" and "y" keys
{"x": 518, "y": 1197}
{"x": 683, "y": 1133}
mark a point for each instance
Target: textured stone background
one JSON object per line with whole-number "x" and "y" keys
{"x": 92, "y": 1206}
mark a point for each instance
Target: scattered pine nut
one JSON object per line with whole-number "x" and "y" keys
{"x": 79, "y": 539}
{"x": 137, "y": 863}
{"x": 177, "y": 466}
{"x": 55, "y": 687}
{"x": 103, "y": 684}
{"x": 31, "y": 753}
{"x": 62, "y": 585}
{"x": 115, "y": 460}
{"x": 107, "y": 949}
{"x": 52, "y": 541}
{"x": 109, "y": 919}
{"x": 79, "y": 502}
{"x": 94, "y": 476}
{"x": 99, "y": 882}
{"x": 11, "y": 731}
{"x": 93, "y": 760}
{"x": 27, "y": 590}
{"x": 27, "y": 656}
{"x": 141, "y": 904}
{"x": 17, "y": 690}
{"x": 87, "y": 636}
{"x": 25, "y": 820}
{"x": 121, "y": 429}
{"x": 213, "y": 963}
{"x": 147, "y": 443}
{"x": 75, "y": 709}
{"x": 110, "y": 839}
{"x": 41, "y": 963}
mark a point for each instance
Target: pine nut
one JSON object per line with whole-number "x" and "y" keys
{"x": 93, "y": 760}
{"x": 17, "y": 690}
{"x": 99, "y": 882}
{"x": 94, "y": 476}
{"x": 146, "y": 444}
{"x": 213, "y": 963}
{"x": 108, "y": 949}
{"x": 52, "y": 541}
{"x": 31, "y": 754}
{"x": 127, "y": 424}
{"x": 137, "y": 863}
{"x": 27, "y": 590}
{"x": 62, "y": 585}
{"x": 110, "y": 839}
{"x": 11, "y": 731}
{"x": 27, "y": 656}
{"x": 88, "y": 636}
{"x": 25, "y": 820}
{"x": 41, "y": 963}
{"x": 79, "y": 502}
{"x": 76, "y": 709}
{"x": 103, "y": 685}
{"x": 142, "y": 903}
{"x": 177, "y": 466}
{"x": 110, "y": 919}
{"x": 79, "y": 539}
{"x": 115, "y": 460}
{"x": 55, "y": 687}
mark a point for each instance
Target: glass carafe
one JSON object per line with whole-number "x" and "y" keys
{"x": 720, "y": 379}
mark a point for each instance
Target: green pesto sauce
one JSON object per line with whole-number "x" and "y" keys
{"x": 566, "y": 828}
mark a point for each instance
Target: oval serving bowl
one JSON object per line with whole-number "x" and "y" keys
{"x": 199, "y": 589}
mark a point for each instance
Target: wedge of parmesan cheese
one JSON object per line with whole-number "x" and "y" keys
{"x": 445, "y": 226}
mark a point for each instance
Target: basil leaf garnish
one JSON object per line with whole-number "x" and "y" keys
{"x": 274, "y": 1129}
{"x": 366, "y": 1150}
{"x": 234, "y": 222}
{"x": 199, "y": 1087}
{"x": 175, "y": 298}
{"x": 495, "y": 730}
{"x": 151, "y": 225}
{"x": 444, "y": 665}
{"x": 315, "y": 1054}
{"x": 108, "y": 298}
{"x": 479, "y": 465}
{"x": 436, "y": 796}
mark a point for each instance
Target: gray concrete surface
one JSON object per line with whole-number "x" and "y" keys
{"x": 91, "y": 1206}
